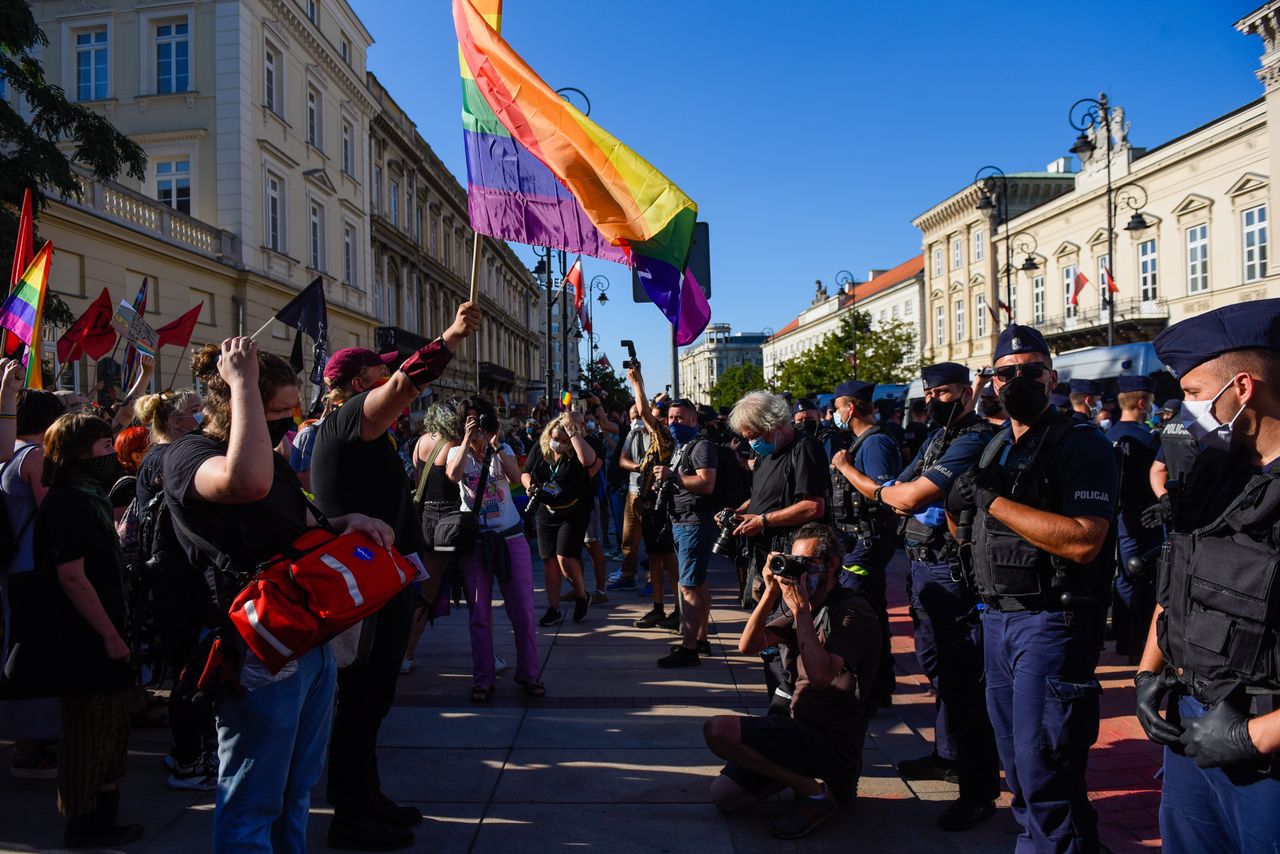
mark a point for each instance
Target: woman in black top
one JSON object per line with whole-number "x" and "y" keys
{"x": 563, "y": 464}
{"x": 228, "y": 488}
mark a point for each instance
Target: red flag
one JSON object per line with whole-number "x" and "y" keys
{"x": 92, "y": 334}
{"x": 1111, "y": 284}
{"x": 1004, "y": 306}
{"x": 604, "y": 362}
{"x": 178, "y": 333}
{"x": 574, "y": 278}
{"x": 1079, "y": 283}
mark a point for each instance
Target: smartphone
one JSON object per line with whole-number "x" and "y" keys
{"x": 632, "y": 362}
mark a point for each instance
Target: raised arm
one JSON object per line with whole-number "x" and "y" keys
{"x": 246, "y": 472}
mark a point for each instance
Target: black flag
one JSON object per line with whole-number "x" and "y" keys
{"x": 308, "y": 313}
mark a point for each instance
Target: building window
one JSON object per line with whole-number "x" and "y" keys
{"x": 435, "y": 238}
{"x": 173, "y": 184}
{"x": 895, "y": 312}
{"x": 979, "y": 251}
{"x": 275, "y": 213}
{"x": 1068, "y": 285}
{"x": 980, "y": 314}
{"x": 377, "y": 190}
{"x": 344, "y": 49}
{"x": 448, "y": 261}
{"x": 957, "y": 259}
{"x": 1147, "y": 269}
{"x": 1255, "y": 243}
{"x": 1198, "y": 259}
{"x": 313, "y": 12}
{"x": 1104, "y": 275}
{"x": 348, "y": 255}
{"x": 408, "y": 207}
{"x": 960, "y": 324}
{"x": 315, "y": 128}
{"x": 93, "y": 59}
{"x": 172, "y": 58}
{"x": 937, "y": 261}
{"x": 940, "y": 325}
{"x": 1037, "y": 300}
{"x": 273, "y": 84}
{"x": 315, "y": 231}
{"x": 417, "y": 224}
{"x": 347, "y": 142}
{"x": 393, "y": 197}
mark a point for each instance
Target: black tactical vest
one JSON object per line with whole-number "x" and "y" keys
{"x": 1220, "y": 590}
{"x": 1180, "y": 450}
{"x": 848, "y": 506}
{"x": 1011, "y": 572}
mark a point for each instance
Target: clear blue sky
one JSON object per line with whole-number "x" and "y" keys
{"x": 810, "y": 133}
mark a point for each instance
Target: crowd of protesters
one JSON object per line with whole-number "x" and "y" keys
{"x": 174, "y": 501}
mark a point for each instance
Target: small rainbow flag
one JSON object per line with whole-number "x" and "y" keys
{"x": 566, "y": 399}
{"x": 23, "y": 311}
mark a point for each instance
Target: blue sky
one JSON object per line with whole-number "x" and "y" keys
{"x": 811, "y": 133}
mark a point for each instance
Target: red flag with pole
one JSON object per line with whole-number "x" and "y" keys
{"x": 574, "y": 278}
{"x": 1111, "y": 283}
{"x": 92, "y": 334}
{"x": 1078, "y": 285}
{"x": 178, "y": 333}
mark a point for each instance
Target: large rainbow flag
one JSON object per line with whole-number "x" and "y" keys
{"x": 541, "y": 172}
{"x": 22, "y": 311}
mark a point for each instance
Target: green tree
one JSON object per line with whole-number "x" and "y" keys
{"x": 30, "y": 156}
{"x": 614, "y": 388}
{"x": 734, "y": 384}
{"x": 886, "y": 354}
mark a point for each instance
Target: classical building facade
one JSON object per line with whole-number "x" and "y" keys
{"x": 886, "y": 295}
{"x": 719, "y": 349}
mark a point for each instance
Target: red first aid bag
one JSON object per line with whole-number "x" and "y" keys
{"x": 324, "y": 585}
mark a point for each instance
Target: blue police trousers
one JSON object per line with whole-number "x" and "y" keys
{"x": 1043, "y": 700}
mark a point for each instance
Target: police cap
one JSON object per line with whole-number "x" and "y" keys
{"x": 1086, "y": 387}
{"x": 1196, "y": 340}
{"x": 1125, "y": 384}
{"x": 856, "y": 388}
{"x": 944, "y": 373}
{"x": 1020, "y": 339}
{"x": 803, "y": 405}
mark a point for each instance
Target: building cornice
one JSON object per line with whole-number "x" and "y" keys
{"x": 301, "y": 29}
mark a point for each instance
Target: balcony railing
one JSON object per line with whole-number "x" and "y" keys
{"x": 137, "y": 211}
{"x": 1129, "y": 313}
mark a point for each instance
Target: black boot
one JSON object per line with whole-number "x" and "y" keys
{"x": 98, "y": 829}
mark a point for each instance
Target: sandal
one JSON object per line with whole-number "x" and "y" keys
{"x": 532, "y": 687}
{"x": 481, "y": 694}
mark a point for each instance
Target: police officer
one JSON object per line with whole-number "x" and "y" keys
{"x": 1085, "y": 398}
{"x": 1174, "y": 458}
{"x": 1043, "y": 495}
{"x": 1134, "y": 598}
{"x": 1060, "y": 398}
{"x": 867, "y": 527}
{"x": 1214, "y": 645}
{"x": 948, "y": 633}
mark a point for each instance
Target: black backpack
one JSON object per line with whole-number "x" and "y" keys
{"x": 728, "y": 491}
{"x": 9, "y": 539}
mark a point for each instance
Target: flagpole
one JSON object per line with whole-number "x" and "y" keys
{"x": 475, "y": 286}
{"x": 176, "y": 368}
{"x": 262, "y": 328}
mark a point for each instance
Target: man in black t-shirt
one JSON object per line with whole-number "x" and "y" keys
{"x": 790, "y": 482}
{"x": 830, "y": 643}
{"x": 356, "y": 468}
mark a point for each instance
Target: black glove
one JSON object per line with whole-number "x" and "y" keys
{"x": 1152, "y": 689}
{"x": 1220, "y": 737}
{"x": 1157, "y": 514}
{"x": 961, "y": 496}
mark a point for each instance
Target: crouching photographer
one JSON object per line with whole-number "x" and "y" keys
{"x": 829, "y": 638}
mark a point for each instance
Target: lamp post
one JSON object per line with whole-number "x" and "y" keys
{"x": 544, "y": 265}
{"x": 598, "y": 283}
{"x": 563, "y": 92}
{"x": 996, "y": 205}
{"x": 845, "y": 279}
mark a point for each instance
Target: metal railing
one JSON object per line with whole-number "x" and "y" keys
{"x": 1095, "y": 316}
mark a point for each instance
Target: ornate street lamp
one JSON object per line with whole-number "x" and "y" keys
{"x": 845, "y": 279}
{"x": 993, "y": 200}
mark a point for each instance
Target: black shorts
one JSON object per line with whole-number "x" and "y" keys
{"x": 656, "y": 532}
{"x": 431, "y": 513}
{"x": 562, "y": 533}
{"x": 791, "y": 744}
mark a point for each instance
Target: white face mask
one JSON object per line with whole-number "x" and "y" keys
{"x": 1105, "y": 424}
{"x": 637, "y": 424}
{"x": 559, "y": 447}
{"x": 1197, "y": 416}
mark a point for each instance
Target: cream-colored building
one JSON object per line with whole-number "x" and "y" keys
{"x": 718, "y": 350}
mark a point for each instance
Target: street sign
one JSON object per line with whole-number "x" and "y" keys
{"x": 699, "y": 263}
{"x": 135, "y": 329}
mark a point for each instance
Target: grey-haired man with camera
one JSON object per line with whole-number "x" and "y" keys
{"x": 829, "y": 638}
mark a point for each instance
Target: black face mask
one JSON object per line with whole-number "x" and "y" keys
{"x": 810, "y": 427}
{"x": 944, "y": 413}
{"x": 279, "y": 428}
{"x": 1024, "y": 399}
{"x": 101, "y": 471}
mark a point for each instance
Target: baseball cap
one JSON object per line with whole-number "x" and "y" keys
{"x": 344, "y": 365}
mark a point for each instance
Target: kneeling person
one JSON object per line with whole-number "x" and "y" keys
{"x": 830, "y": 639}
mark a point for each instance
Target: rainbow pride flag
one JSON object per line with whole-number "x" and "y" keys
{"x": 566, "y": 399}
{"x": 541, "y": 172}
{"x": 22, "y": 312}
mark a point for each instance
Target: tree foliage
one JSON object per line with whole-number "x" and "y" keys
{"x": 886, "y": 354}
{"x": 30, "y": 152}
{"x": 614, "y": 388}
{"x": 735, "y": 382}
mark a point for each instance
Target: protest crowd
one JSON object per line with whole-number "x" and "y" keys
{"x": 143, "y": 581}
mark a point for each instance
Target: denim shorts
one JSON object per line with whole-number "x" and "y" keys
{"x": 693, "y": 550}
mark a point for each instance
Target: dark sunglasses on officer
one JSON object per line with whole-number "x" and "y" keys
{"x": 1030, "y": 370}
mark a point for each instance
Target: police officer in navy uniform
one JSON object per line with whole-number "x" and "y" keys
{"x": 1174, "y": 458}
{"x": 1214, "y": 650}
{"x": 1085, "y": 398}
{"x": 1136, "y": 444}
{"x": 868, "y": 528}
{"x": 949, "y": 631}
{"x": 1043, "y": 501}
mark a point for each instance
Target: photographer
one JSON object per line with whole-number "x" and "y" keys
{"x": 563, "y": 465}
{"x": 692, "y": 475}
{"x": 830, "y": 641}
{"x": 789, "y": 484}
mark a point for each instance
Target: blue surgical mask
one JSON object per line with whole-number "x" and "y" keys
{"x": 841, "y": 424}
{"x": 199, "y": 417}
{"x": 763, "y": 447}
{"x": 591, "y": 425}
{"x": 683, "y": 433}
{"x": 812, "y": 580}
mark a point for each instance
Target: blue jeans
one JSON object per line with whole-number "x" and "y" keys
{"x": 1203, "y": 809}
{"x": 1043, "y": 700}
{"x": 693, "y": 550}
{"x": 617, "y": 504}
{"x": 271, "y": 745}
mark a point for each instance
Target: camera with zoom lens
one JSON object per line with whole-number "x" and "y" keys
{"x": 790, "y": 567}
{"x": 726, "y": 544}
{"x": 535, "y": 498}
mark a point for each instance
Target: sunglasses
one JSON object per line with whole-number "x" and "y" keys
{"x": 1030, "y": 370}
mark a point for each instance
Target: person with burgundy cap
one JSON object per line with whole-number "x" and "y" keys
{"x": 1214, "y": 646}
{"x": 355, "y": 467}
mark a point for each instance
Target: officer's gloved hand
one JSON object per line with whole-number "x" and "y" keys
{"x": 934, "y": 517}
{"x": 1152, "y": 689}
{"x": 1220, "y": 737}
{"x": 1157, "y": 514}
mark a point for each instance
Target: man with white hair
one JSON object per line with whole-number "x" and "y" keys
{"x": 790, "y": 482}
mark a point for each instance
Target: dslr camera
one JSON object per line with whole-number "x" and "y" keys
{"x": 790, "y": 567}
{"x": 632, "y": 362}
{"x": 535, "y": 498}
{"x": 726, "y": 544}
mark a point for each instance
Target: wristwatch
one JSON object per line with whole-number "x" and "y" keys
{"x": 764, "y": 521}
{"x": 876, "y": 496}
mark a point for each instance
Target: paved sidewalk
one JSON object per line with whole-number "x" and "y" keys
{"x": 613, "y": 759}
